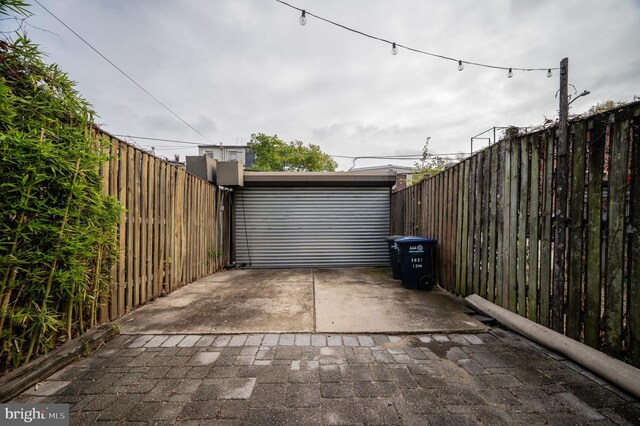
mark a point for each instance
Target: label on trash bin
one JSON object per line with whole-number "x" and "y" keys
{"x": 416, "y": 262}
{"x": 416, "y": 249}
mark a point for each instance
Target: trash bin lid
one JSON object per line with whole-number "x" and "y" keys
{"x": 415, "y": 240}
{"x": 393, "y": 237}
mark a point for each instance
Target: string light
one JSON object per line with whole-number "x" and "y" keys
{"x": 549, "y": 73}
{"x": 395, "y": 46}
{"x": 303, "y": 18}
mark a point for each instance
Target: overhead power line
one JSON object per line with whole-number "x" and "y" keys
{"x": 159, "y": 139}
{"x": 395, "y": 46}
{"x": 123, "y": 73}
{"x": 382, "y": 157}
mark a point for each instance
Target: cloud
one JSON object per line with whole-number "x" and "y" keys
{"x": 232, "y": 68}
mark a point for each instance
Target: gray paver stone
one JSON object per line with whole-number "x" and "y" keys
{"x": 334, "y": 341}
{"x": 287, "y": 340}
{"x": 350, "y": 341}
{"x": 254, "y": 340}
{"x": 238, "y": 340}
{"x": 156, "y": 341}
{"x": 205, "y": 341}
{"x": 270, "y": 340}
{"x": 222, "y": 341}
{"x": 140, "y": 341}
{"x": 318, "y": 340}
{"x": 303, "y": 339}
{"x": 230, "y": 388}
{"x": 172, "y": 341}
{"x": 189, "y": 341}
{"x": 366, "y": 341}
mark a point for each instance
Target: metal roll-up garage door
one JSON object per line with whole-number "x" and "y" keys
{"x": 311, "y": 227}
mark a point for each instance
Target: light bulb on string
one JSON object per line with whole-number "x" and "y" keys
{"x": 394, "y": 49}
{"x": 549, "y": 73}
{"x": 460, "y": 66}
{"x": 303, "y": 18}
{"x": 510, "y": 73}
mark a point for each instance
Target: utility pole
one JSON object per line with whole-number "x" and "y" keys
{"x": 562, "y": 182}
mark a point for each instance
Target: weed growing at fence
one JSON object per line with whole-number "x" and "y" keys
{"x": 57, "y": 229}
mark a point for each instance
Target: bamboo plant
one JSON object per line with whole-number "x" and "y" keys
{"x": 57, "y": 229}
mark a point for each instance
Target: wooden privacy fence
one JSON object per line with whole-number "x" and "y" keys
{"x": 173, "y": 230}
{"x": 553, "y": 236}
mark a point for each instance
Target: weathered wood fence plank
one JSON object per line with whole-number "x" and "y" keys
{"x": 576, "y": 232}
{"x": 523, "y": 207}
{"x": 545, "y": 234}
{"x": 534, "y": 231}
{"x": 597, "y": 137}
{"x": 615, "y": 245}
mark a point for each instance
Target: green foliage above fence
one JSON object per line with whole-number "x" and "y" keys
{"x": 57, "y": 229}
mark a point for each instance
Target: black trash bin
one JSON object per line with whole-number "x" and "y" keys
{"x": 417, "y": 258}
{"x": 394, "y": 257}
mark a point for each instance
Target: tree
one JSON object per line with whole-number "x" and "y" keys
{"x": 604, "y": 106}
{"x": 275, "y": 155}
{"x": 428, "y": 165}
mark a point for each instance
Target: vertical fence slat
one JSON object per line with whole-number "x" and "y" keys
{"x": 130, "y": 225}
{"x": 122, "y": 235}
{"x": 597, "y": 139}
{"x": 514, "y": 188}
{"x": 615, "y": 245}
{"x": 493, "y": 237}
{"x": 136, "y": 227}
{"x": 454, "y": 229}
{"x": 471, "y": 209}
{"x": 634, "y": 261}
{"x": 459, "y": 207}
{"x": 450, "y": 236}
{"x": 477, "y": 214}
{"x": 486, "y": 192}
{"x": 523, "y": 204}
{"x": 113, "y": 191}
{"x": 151, "y": 254}
{"x": 170, "y": 260}
{"x": 545, "y": 234}
{"x": 576, "y": 231}
{"x": 144, "y": 228}
{"x": 161, "y": 266}
{"x": 105, "y": 174}
{"x": 534, "y": 230}
{"x": 506, "y": 226}
{"x": 464, "y": 259}
{"x": 499, "y": 268}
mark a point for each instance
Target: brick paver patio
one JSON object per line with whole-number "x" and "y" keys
{"x": 492, "y": 378}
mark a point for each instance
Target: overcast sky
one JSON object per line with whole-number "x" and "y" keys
{"x": 236, "y": 67}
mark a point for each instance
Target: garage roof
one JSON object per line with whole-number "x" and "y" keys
{"x": 319, "y": 179}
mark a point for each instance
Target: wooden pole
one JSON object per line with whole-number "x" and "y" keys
{"x": 562, "y": 182}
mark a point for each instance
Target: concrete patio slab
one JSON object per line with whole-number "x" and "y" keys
{"x": 368, "y": 300}
{"x": 355, "y": 300}
{"x": 238, "y": 301}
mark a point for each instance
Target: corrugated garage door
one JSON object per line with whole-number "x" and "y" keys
{"x": 309, "y": 227}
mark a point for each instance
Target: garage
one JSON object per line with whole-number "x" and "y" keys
{"x": 289, "y": 220}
